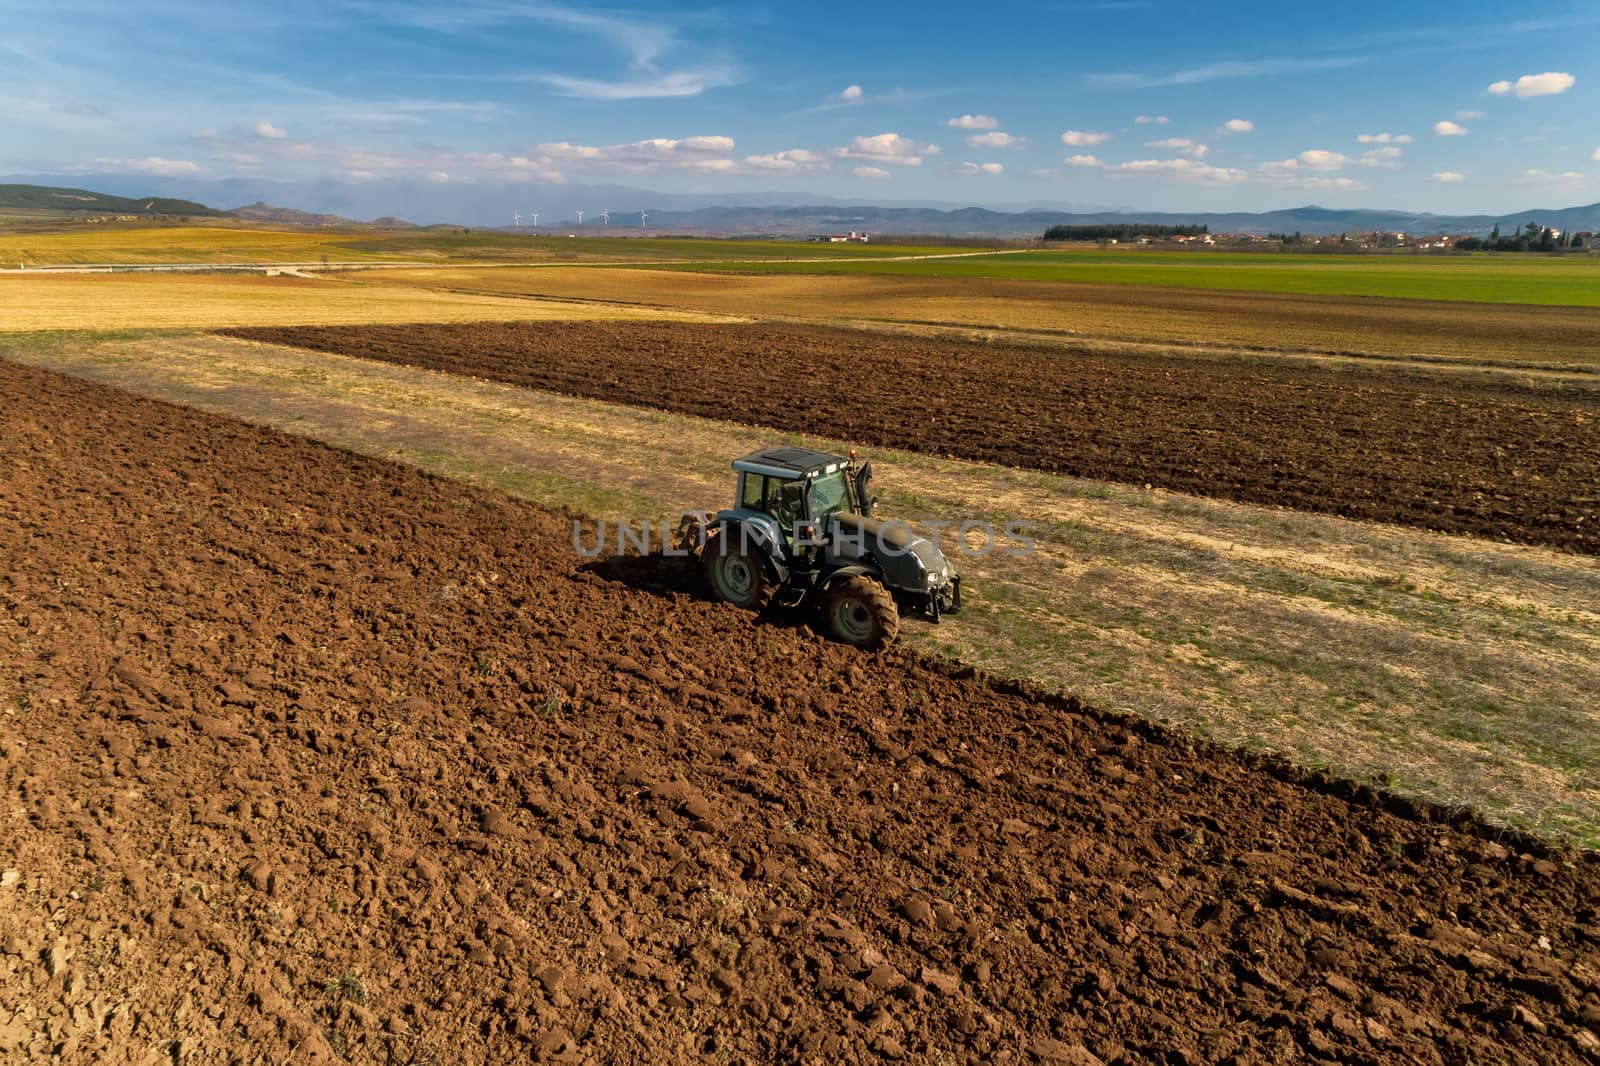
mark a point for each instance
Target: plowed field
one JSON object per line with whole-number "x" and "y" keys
{"x": 308, "y": 752}
{"x": 1434, "y": 451}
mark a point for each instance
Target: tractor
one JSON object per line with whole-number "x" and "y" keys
{"x": 801, "y": 532}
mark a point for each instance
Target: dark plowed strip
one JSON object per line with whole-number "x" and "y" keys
{"x": 1512, "y": 463}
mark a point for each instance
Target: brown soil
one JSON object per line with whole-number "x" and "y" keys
{"x": 1500, "y": 460}
{"x": 312, "y": 752}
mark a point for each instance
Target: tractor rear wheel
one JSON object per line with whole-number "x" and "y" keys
{"x": 860, "y": 611}
{"x": 737, "y": 573}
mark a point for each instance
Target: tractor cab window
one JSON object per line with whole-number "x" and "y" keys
{"x": 781, "y": 499}
{"x": 754, "y": 495}
{"x": 788, "y": 499}
{"x": 828, "y": 494}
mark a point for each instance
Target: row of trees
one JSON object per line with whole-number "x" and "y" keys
{"x": 1121, "y": 232}
{"x": 1530, "y": 238}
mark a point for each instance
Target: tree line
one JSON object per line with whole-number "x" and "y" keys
{"x": 1121, "y": 231}
{"x": 1530, "y": 238}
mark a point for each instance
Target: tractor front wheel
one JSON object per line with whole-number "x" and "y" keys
{"x": 737, "y": 573}
{"x": 860, "y": 611}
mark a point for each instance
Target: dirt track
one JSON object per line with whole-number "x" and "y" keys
{"x": 1502, "y": 461}
{"x": 311, "y": 751}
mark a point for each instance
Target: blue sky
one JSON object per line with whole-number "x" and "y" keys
{"x": 1461, "y": 106}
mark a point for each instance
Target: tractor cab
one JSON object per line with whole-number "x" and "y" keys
{"x": 801, "y": 490}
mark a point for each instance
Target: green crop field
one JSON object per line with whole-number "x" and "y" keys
{"x": 499, "y": 245}
{"x": 1572, "y": 281}
{"x": 77, "y": 244}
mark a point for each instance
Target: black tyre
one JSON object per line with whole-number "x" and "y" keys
{"x": 737, "y": 572}
{"x": 860, "y": 611}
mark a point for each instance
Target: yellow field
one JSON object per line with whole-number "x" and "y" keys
{"x": 208, "y": 301}
{"x": 1474, "y": 333}
{"x": 180, "y": 244}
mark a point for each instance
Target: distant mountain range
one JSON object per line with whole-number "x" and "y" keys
{"x": 325, "y": 203}
{"x": 978, "y": 221}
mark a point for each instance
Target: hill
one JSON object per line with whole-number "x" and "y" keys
{"x": 288, "y": 216}
{"x": 52, "y": 199}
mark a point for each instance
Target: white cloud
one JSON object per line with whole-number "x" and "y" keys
{"x": 973, "y": 122}
{"x": 269, "y": 131}
{"x": 153, "y": 164}
{"x": 1238, "y": 125}
{"x": 1468, "y": 116}
{"x": 1311, "y": 159}
{"x": 1330, "y": 183}
{"x": 1321, "y": 159}
{"x": 1596, "y": 155}
{"x": 663, "y": 86}
{"x": 1388, "y": 158}
{"x": 1448, "y": 129}
{"x": 1152, "y": 120}
{"x": 887, "y": 148}
{"x": 1546, "y": 84}
{"x": 978, "y": 168}
{"x": 1186, "y": 171}
{"x": 876, "y": 173}
{"x": 850, "y": 94}
{"x": 996, "y": 139}
{"x": 1181, "y": 145}
{"x": 439, "y": 177}
{"x": 1084, "y": 138}
{"x": 1385, "y": 138}
{"x": 359, "y": 175}
{"x": 1535, "y": 176}
{"x": 1308, "y": 170}
{"x": 793, "y": 159}
{"x": 1448, "y": 177}
{"x": 1093, "y": 161}
{"x": 702, "y": 153}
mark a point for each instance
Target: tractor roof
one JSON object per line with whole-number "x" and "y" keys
{"x": 789, "y": 462}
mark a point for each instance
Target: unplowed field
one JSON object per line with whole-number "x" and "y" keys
{"x": 304, "y": 751}
{"x": 1500, "y": 460}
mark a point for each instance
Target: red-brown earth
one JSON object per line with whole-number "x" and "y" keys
{"x": 1497, "y": 458}
{"x": 310, "y": 754}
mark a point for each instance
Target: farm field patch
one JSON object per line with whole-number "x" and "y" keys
{"x": 190, "y": 301}
{"x": 1489, "y": 459}
{"x": 1571, "y": 281}
{"x": 85, "y": 244}
{"x": 320, "y": 754}
{"x": 1269, "y": 323}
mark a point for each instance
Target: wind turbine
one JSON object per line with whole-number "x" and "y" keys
{"x": 642, "y": 217}
{"x": 535, "y": 215}
{"x": 605, "y": 218}
{"x": 580, "y": 218}
{"x": 516, "y": 218}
